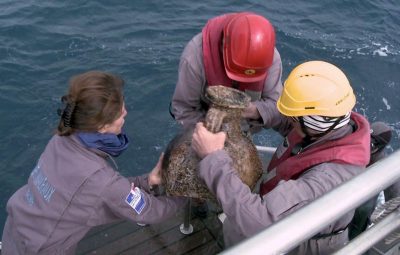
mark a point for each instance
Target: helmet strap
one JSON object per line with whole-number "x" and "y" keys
{"x": 306, "y": 140}
{"x": 333, "y": 126}
{"x": 304, "y": 129}
{"x": 309, "y": 137}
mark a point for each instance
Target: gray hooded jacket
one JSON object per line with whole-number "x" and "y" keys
{"x": 248, "y": 213}
{"x": 70, "y": 190}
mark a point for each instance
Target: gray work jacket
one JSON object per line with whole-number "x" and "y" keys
{"x": 248, "y": 213}
{"x": 70, "y": 190}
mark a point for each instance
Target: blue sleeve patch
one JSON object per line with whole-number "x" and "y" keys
{"x": 135, "y": 200}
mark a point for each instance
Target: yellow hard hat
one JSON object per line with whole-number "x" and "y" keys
{"x": 316, "y": 88}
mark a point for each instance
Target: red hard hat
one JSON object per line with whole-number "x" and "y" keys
{"x": 249, "y": 42}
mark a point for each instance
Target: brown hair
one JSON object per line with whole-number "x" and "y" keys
{"x": 94, "y": 99}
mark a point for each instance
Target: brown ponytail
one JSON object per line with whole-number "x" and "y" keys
{"x": 94, "y": 99}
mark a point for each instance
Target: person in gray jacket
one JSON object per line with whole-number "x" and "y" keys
{"x": 74, "y": 185}
{"x": 325, "y": 144}
{"x": 234, "y": 50}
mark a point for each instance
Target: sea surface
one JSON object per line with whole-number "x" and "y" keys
{"x": 44, "y": 43}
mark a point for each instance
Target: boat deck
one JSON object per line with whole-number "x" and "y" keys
{"x": 165, "y": 238}
{"x": 129, "y": 238}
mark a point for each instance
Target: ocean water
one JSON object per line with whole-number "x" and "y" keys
{"x": 44, "y": 43}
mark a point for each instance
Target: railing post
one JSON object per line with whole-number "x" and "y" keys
{"x": 187, "y": 228}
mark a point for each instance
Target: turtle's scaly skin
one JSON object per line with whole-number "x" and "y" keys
{"x": 180, "y": 162}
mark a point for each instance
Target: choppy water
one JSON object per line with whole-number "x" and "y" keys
{"x": 44, "y": 43}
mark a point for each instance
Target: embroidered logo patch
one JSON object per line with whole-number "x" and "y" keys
{"x": 135, "y": 199}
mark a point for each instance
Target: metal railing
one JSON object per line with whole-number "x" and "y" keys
{"x": 372, "y": 236}
{"x": 292, "y": 230}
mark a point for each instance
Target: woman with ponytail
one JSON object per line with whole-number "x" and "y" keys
{"x": 75, "y": 185}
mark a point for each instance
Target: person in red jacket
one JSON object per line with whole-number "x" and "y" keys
{"x": 234, "y": 50}
{"x": 325, "y": 144}
{"x": 75, "y": 185}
